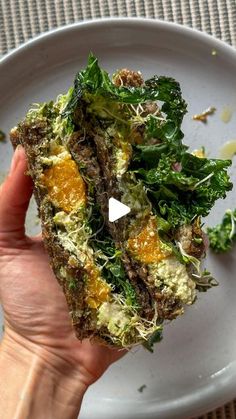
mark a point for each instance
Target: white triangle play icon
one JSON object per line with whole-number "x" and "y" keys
{"x": 116, "y": 209}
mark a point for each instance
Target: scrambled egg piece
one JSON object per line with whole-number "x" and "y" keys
{"x": 146, "y": 246}
{"x": 65, "y": 185}
{"x": 174, "y": 275}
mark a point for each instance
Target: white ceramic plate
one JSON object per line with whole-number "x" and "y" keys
{"x": 194, "y": 368}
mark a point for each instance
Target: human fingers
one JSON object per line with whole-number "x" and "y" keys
{"x": 15, "y": 194}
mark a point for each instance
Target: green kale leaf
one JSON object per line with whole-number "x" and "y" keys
{"x": 109, "y": 258}
{"x": 95, "y": 81}
{"x": 223, "y": 236}
{"x": 180, "y": 186}
{"x": 154, "y": 338}
{"x": 181, "y": 195}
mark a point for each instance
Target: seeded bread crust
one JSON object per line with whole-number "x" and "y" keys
{"x": 32, "y": 137}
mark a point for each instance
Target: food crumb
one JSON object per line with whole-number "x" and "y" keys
{"x": 141, "y": 388}
{"x": 204, "y": 115}
{"x": 228, "y": 151}
{"x": 200, "y": 153}
{"x": 2, "y": 136}
{"x": 226, "y": 114}
{"x": 214, "y": 52}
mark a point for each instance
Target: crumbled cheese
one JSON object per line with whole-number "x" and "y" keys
{"x": 174, "y": 275}
{"x": 121, "y": 164}
{"x": 135, "y": 197}
{"x": 113, "y": 316}
{"x": 75, "y": 236}
{"x": 65, "y": 219}
{"x": 55, "y": 159}
{"x": 123, "y": 155}
{"x": 82, "y": 252}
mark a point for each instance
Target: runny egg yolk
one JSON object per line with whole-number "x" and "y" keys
{"x": 65, "y": 185}
{"x": 146, "y": 246}
{"x": 97, "y": 290}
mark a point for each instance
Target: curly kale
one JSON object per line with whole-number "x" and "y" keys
{"x": 180, "y": 196}
{"x": 222, "y": 237}
{"x": 176, "y": 195}
{"x": 109, "y": 258}
{"x": 93, "y": 81}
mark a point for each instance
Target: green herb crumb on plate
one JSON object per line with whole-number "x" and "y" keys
{"x": 2, "y": 136}
{"x": 222, "y": 237}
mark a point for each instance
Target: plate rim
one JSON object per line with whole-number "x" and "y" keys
{"x": 210, "y": 401}
{"x": 189, "y": 31}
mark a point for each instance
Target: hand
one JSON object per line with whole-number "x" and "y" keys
{"x": 35, "y": 310}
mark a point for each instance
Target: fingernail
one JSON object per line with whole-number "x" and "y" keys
{"x": 16, "y": 159}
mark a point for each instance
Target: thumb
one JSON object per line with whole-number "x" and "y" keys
{"x": 15, "y": 194}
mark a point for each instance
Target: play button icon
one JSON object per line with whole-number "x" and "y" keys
{"x": 116, "y": 210}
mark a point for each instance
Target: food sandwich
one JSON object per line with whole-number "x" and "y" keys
{"x": 120, "y": 137}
